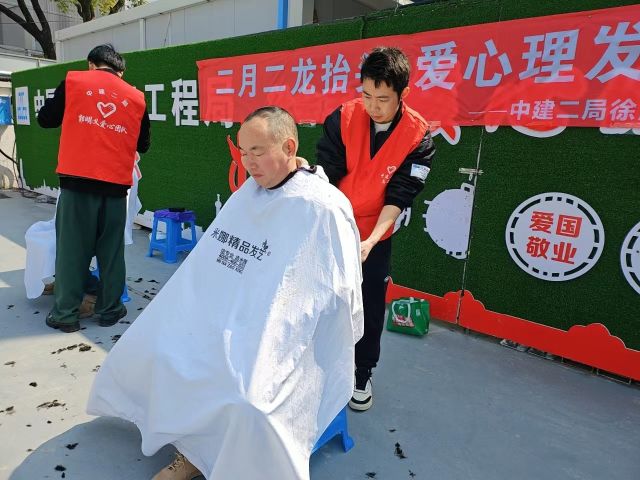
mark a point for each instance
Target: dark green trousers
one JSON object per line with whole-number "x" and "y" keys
{"x": 88, "y": 225}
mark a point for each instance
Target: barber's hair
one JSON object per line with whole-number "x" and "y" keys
{"x": 106, "y": 56}
{"x": 389, "y": 65}
{"x": 281, "y": 123}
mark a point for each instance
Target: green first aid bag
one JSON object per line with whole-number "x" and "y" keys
{"x": 408, "y": 315}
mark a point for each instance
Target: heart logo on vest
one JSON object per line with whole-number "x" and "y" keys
{"x": 106, "y": 109}
{"x": 386, "y": 177}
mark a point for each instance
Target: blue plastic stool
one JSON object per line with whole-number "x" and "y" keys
{"x": 173, "y": 242}
{"x": 125, "y": 294}
{"x": 338, "y": 426}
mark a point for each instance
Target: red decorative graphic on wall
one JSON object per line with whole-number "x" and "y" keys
{"x": 591, "y": 344}
{"x": 237, "y": 172}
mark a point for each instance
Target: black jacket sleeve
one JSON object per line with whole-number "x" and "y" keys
{"x": 144, "y": 138}
{"x": 330, "y": 151}
{"x": 403, "y": 187}
{"x": 51, "y": 113}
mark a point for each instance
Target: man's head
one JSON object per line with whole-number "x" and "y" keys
{"x": 268, "y": 142}
{"x": 105, "y": 56}
{"x": 385, "y": 82}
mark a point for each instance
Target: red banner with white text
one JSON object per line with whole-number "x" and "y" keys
{"x": 578, "y": 69}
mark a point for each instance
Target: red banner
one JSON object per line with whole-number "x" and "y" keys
{"x": 578, "y": 69}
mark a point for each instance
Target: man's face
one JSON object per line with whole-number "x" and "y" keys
{"x": 381, "y": 102}
{"x": 266, "y": 160}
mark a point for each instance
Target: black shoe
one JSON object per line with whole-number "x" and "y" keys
{"x": 111, "y": 320}
{"x": 362, "y": 398}
{"x": 63, "y": 327}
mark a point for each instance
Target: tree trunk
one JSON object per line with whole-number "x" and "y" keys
{"x": 85, "y": 10}
{"x": 116, "y": 7}
{"x": 48, "y": 48}
{"x": 43, "y": 35}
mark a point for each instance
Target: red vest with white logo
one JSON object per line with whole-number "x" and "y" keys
{"x": 367, "y": 178}
{"x": 100, "y": 128}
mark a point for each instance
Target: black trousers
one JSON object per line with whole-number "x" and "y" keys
{"x": 374, "y": 288}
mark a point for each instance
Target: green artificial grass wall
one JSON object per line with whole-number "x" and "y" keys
{"x": 187, "y": 166}
{"x": 603, "y": 171}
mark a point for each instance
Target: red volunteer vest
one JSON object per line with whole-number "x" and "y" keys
{"x": 100, "y": 128}
{"x": 367, "y": 178}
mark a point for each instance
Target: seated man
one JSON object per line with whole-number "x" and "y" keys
{"x": 246, "y": 355}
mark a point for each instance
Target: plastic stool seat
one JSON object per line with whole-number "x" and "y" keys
{"x": 173, "y": 241}
{"x": 338, "y": 426}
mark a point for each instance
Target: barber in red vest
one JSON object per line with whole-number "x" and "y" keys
{"x": 378, "y": 152}
{"x": 104, "y": 122}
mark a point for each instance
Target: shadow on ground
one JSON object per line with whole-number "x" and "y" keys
{"x": 109, "y": 448}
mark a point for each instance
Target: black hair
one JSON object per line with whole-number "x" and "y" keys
{"x": 389, "y": 65}
{"x": 106, "y": 56}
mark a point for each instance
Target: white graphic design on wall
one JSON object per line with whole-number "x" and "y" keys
{"x": 451, "y": 133}
{"x": 403, "y": 219}
{"x": 630, "y": 257}
{"x": 555, "y": 236}
{"x": 448, "y": 220}
{"x": 619, "y": 131}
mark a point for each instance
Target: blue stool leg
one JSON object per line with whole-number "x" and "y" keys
{"x": 125, "y": 294}
{"x": 347, "y": 441}
{"x": 173, "y": 230}
{"x": 338, "y": 426}
{"x": 153, "y": 239}
{"x": 193, "y": 234}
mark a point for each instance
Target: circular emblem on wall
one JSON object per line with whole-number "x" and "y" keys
{"x": 555, "y": 236}
{"x": 630, "y": 257}
{"x": 448, "y": 219}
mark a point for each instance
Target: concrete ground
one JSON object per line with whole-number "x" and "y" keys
{"x": 447, "y": 406}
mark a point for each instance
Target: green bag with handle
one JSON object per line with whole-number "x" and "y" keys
{"x": 409, "y": 315}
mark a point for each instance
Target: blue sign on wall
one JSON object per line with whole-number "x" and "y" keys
{"x": 5, "y": 111}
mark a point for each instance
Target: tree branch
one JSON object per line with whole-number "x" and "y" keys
{"x": 31, "y": 28}
{"x": 85, "y": 10}
{"x": 27, "y": 14}
{"x": 42, "y": 35}
{"x": 41, "y": 17}
{"x": 116, "y": 7}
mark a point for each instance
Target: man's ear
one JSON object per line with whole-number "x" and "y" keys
{"x": 289, "y": 147}
{"x": 404, "y": 93}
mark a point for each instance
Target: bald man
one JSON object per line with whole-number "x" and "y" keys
{"x": 246, "y": 355}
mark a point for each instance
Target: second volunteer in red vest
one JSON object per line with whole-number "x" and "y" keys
{"x": 378, "y": 152}
{"x": 112, "y": 119}
{"x": 104, "y": 122}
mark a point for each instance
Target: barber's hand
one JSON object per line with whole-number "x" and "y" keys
{"x": 365, "y": 248}
{"x": 301, "y": 162}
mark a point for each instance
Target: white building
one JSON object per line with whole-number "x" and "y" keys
{"x": 164, "y": 23}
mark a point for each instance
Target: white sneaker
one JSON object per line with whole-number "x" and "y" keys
{"x": 362, "y": 398}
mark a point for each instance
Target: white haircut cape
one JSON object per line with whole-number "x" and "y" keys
{"x": 247, "y": 354}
